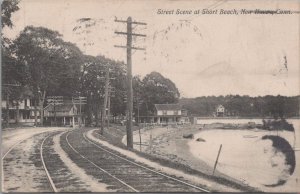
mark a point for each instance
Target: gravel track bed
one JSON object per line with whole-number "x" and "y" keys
{"x": 62, "y": 178}
{"x": 87, "y": 166}
{"x": 217, "y": 183}
{"x": 23, "y": 169}
{"x": 139, "y": 178}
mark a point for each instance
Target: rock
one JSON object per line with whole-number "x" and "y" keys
{"x": 188, "y": 136}
{"x": 200, "y": 139}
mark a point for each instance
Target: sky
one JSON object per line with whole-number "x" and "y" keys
{"x": 203, "y": 54}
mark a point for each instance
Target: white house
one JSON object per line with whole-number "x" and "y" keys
{"x": 220, "y": 111}
{"x": 26, "y": 111}
{"x": 168, "y": 113}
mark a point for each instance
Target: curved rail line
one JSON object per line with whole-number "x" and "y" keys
{"x": 12, "y": 147}
{"x": 44, "y": 165}
{"x": 9, "y": 150}
{"x": 42, "y": 159}
{"x": 141, "y": 166}
{"x": 127, "y": 185}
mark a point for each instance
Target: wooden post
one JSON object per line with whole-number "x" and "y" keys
{"x": 108, "y": 111}
{"x": 150, "y": 143}
{"x": 217, "y": 159}
{"x": 54, "y": 109}
{"x": 129, "y": 48}
{"x": 35, "y": 113}
{"x": 73, "y": 121}
{"x": 7, "y": 109}
{"x": 140, "y": 139}
{"x": 79, "y": 120}
{"x": 129, "y": 84}
{"x": 17, "y": 112}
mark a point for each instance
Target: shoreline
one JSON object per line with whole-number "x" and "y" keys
{"x": 169, "y": 143}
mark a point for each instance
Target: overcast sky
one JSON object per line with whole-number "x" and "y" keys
{"x": 202, "y": 54}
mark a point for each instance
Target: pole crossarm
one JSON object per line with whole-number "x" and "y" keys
{"x": 131, "y": 34}
{"x": 136, "y": 48}
{"x": 11, "y": 85}
{"x": 134, "y": 22}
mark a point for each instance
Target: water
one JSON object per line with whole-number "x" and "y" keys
{"x": 245, "y": 156}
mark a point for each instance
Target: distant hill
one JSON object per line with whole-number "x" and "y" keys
{"x": 244, "y": 106}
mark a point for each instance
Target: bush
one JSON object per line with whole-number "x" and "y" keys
{"x": 281, "y": 124}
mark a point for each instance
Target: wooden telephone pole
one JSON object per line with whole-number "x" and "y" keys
{"x": 129, "y": 48}
{"x": 105, "y": 99}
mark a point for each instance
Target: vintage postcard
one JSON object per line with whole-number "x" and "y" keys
{"x": 150, "y": 96}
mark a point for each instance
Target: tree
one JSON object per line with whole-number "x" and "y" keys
{"x": 7, "y": 8}
{"x": 92, "y": 85}
{"x": 48, "y": 62}
{"x": 138, "y": 90}
{"x": 10, "y": 72}
{"x": 92, "y": 82}
{"x": 118, "y": 101}
{"x": 157, "y": 90}
{"x": 245, "y": 106}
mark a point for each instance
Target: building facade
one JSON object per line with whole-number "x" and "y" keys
{"x": 168, "y": 113}
{"x": 220, "y": 111}
{"x": 61, "y": 115}
{"x": 22, "y": 111}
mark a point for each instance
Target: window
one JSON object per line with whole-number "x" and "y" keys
{"x": 32, "y": 102}
{"x": 26, "y": 115}
{"x": 11, "y": 114}
{"x": 175, "y": 112}
{"x": 164, "y": 112}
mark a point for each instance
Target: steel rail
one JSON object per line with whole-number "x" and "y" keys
{"x": 127, "y": 185}
{"x": 2, "y": 162}
{"x": 44, "y": 165}
{"x": 12, "y": 147}
{"x": 141, "y": 166}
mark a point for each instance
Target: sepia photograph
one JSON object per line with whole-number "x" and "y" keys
{"x": 158, "y": 96}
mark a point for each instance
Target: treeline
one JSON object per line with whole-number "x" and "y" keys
{"x": 244, "y": 106}
{"x": 40, "y": 63}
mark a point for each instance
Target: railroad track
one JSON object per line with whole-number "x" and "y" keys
{"x": 118, "y": 171}
{"x": 45, "y": 167}
{"x": 3, "y": 157}
{"x": 42, "y": 140}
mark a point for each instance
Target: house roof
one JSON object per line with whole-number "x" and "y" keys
{"x": 220, "y": 106}
{"x": 60, "y": 107}
{"x": 167, "y": 107}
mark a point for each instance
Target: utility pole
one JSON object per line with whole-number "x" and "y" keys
{"x": 108, "y": 111}
{"x": 7, "y": 109}
{"x": 81, "y": 100}
{"x": 54, "y": 108}
{"x": 129, "y": 48}
{"x": 80, "y": 117}
{"x": 105, "y": 100}
{"x": 111, "y": 94}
